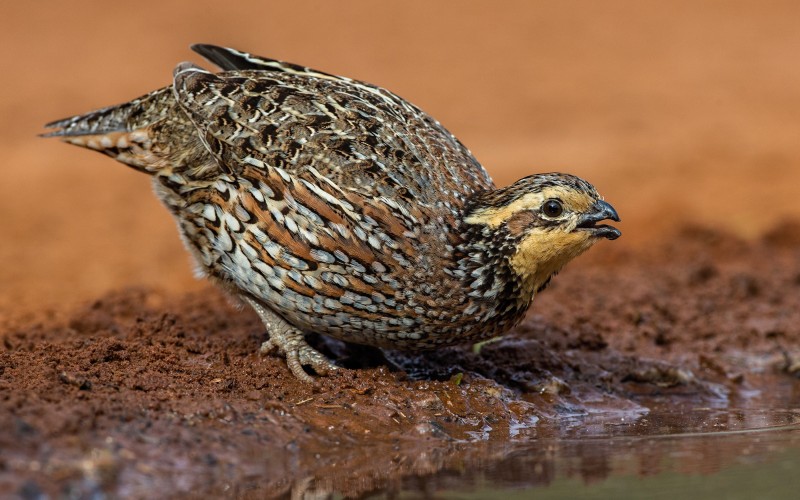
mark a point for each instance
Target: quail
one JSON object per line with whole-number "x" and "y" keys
{"x": 334, "y": 206}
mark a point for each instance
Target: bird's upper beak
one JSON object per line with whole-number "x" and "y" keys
{"x": 599, "y": 211}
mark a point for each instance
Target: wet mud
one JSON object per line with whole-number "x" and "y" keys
{"x": 143, "y": 391}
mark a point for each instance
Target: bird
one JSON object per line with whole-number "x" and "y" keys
{"x": 333, "y": 206}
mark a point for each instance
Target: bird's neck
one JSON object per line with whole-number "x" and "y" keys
{"x": 506, "y": 271}
{"x": 486, "y": 265}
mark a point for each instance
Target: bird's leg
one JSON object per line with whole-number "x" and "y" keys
{"x": 291, "y": 343}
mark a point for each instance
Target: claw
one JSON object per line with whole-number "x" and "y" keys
{"x": 315, "y": 359}
{"x": 290, "y": 343}
{"x": 296, "y": 367}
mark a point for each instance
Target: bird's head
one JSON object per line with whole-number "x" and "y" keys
{"x": 538, "y": 224}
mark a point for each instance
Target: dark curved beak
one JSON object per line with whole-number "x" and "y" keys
{"x": 601, "y": 210}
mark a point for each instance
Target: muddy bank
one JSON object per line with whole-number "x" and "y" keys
{"x": 141, "y": 391}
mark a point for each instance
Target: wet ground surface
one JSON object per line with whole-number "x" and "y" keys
{"x": 141, "y": 391}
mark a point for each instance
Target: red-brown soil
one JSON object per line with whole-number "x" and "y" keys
{"x": 120, "y": 373}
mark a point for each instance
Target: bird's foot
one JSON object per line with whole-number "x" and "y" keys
{"x": 290, "y": 343}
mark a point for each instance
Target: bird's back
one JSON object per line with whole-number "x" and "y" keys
{"x": 376, "y": 142}
{"x": 361, "y": 137}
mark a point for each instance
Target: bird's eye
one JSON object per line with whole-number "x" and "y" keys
{"x": 552, "y": 208}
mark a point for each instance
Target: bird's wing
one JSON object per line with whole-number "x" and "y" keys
{"x": 360, "y": 137}
{"x": 271, "y": 137}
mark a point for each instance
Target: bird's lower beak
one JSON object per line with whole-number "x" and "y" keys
{"x": 599, "y": 211}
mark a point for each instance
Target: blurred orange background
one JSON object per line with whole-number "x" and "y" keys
{"x": 679, "y": 112}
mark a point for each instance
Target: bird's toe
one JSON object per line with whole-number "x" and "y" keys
{"x": 292, "y": 345}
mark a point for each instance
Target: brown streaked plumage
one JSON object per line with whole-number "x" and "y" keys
{"x": 334, "y": 206}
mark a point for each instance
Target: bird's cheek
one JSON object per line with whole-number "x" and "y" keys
{"x": 520, "y": 223}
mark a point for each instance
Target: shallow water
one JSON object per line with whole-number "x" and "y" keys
{"x": 659, "y": 449}
{"x": 733, "y": 453}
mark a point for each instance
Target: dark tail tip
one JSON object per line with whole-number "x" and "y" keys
{"x": 226, "y": 59}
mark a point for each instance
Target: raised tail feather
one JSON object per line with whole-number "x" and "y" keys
{"x": 234, "y": 60}
{"x": 122, "y": 132}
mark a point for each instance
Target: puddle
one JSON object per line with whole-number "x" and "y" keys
{"x": 685, "y": 453}
{"x": 743, "y": 465}
{"x": 742, "y": 445}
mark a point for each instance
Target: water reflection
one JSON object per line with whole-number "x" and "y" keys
{"x": 668, "y": 446}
